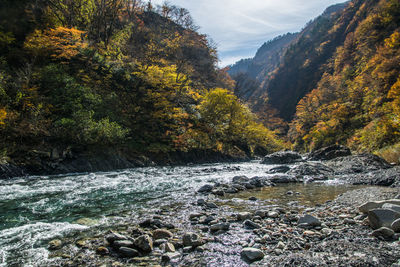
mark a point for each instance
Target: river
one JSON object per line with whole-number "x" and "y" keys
{"x": 35, "y": 210}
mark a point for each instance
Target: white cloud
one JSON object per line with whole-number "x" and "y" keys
{"x": 241, "y": 26}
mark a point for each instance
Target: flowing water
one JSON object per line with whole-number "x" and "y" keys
{"x": 35, "y": 210}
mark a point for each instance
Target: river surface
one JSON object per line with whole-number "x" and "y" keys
{"x": 35, "y": 210}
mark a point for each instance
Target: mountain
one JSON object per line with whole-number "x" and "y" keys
{"x": 250, "y": 73}
{"x": 336, "y": 82}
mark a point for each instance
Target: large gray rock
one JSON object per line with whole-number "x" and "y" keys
{"x": 382, "y": 218}
{"x": 144, "y": 243}
{"x": 391, "y": 207}
{"x": 309, "y": 221}
{"x": 282, "y": 157}
{"x": 363, "y": 163}
{"x": 396, "y": 226}
{"x": 366, "y": 207}
{"x": 330, "y": 152}
{"x": 192, "y": 240}
{"x": 311, "y": 168}
{"x": 207, "y": 188}
{"x": 383, "y": 232}
{"x": 252, "y": 254}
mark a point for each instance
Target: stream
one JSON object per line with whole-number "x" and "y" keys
{"x": 35, "y": 210}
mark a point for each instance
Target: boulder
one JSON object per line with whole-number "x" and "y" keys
{"x": 252, "y": 254}
{"x": 240, "y": 179}
{"x": 112, "y": 237}
{"x": 382, "y": 218}
{"x": 243, "y": 216}
{"x": 396, "y": 226}
{"x": 363, "y": 163}
{"x": 191, "y": 240}
{"x": 162, "y": 234}
{"x": 309, "y": 221}
{"x": 391, "y": 207}
{"x": 207, "y": 188}
{"x": 279, "y": 169}
{"x": 128, "y": 252}
{"x": 311, "y": 169}
{"x": 366, "y": 207}
{"x": 284, "y": 179}
{"x": 168, "y": 247}
{"x": 330, "y": 152}
{"x": 251, "y": 225}
{"x": 383, "y": 232}
{"x": 282, "y": 157}
{"x": 144, "y": 243}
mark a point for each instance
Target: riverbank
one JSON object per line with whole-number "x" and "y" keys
{"x": 212, "y": 231}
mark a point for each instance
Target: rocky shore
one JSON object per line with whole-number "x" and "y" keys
{"x": 211, "y": 232}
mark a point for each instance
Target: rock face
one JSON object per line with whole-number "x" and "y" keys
{"x": 330, "y": 152}
{"x": 282, "y": 157}
{"x": 9, "y": 171}
{"x": 252, "y": 254}
{"x": 144, "y": 243}
{"x": 382, "y": 218}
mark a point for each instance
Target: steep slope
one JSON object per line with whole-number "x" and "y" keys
{"x": 250, "y": 73}
{"x": 356, "y": 102}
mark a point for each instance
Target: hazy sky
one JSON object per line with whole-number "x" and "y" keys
{"x": 240, "y": 27}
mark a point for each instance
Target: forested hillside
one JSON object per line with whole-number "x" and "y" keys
{"x": 116, "y": 75}
{"x": 338, "y": 81}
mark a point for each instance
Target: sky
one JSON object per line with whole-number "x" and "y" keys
{"x": 240, "y": 27}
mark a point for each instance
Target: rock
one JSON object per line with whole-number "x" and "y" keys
{"x": 128, "y": 252}
{"x": 357, "y": 164}
{"x": 162, "y": 234}
{"x": 396, "y": 226}
{"x": 206, "y": 188}
{"x": 391, "y": 207}
{"x": 192, "y": 240}
{"x": 284, "y": 179}
{"x": 144, "y": 243}
{"x": 330, "y": 152}
{"x": 219, "y": 227}
{"x": 280, "y": 245}
{"x": 170, "y": 256}
{"x": 243, "y": 216}
{"x": 273, "y": 214}
{"x": 123, "y": 243}
{"x": 155, "y": 223}
{"x": 260, "y": 213}
{"x": 201, "y": 202}
{"x": 240, "y": 179}
{"x": 382, "y": 218}
{"x": 168, "y": 247}
{"x": 112, "y": 237}
{"x": 282, "y": 157}
{"x": 311, "y": 169}
{"x": 253, "y": 198}
{"x": 309, "y": 220}
{"x": 231, "y": 190}
{"x": 252, "y": 254}
{"x": 279, "y": 169}
{"x": 251, "y": 225}
{"x": 349, "y": 221}
{"x": 383, "y": 232}
{"x": 366, "y": 207}
{"x": 200, "y": 249}
{"x": 194, "y": 216}
{"x": 159, "y": 242}
{"x": 55, "y": 244}
{"x": 102, "y": 251}
{"x": 211, "y": 205}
